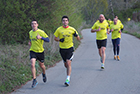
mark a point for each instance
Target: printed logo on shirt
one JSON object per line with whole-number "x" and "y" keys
{"x": 34, "y": 39}
{"x": 66, "y": 35}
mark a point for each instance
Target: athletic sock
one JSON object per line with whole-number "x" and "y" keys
{"x": 68, "y": 77}
{"x": 35, "y": 79}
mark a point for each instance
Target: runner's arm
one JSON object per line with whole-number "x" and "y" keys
{"x": 57, "y": 39}
{"x": 45, "y": 39}
{"x": 95, "y": 30}
{"x": 76, "y": 35}
{"x": 78, "y": 38}
{"x": 40, "y": 37}
{"x": 29, "y": 43}
{"x": 122, "y": 27}
{"x": 108, "y": 31}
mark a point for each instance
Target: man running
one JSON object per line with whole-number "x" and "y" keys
{"x": 101, "y": 28}
{"x": 37, "y": 38}
{"x": 64, "y": 35}
{"x": 116, "y": 29}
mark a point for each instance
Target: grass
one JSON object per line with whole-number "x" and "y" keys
{"x": 132, "y": 28}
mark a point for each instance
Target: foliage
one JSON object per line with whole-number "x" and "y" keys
{"x": 16, "y": 16}
{"x": 93, "y": 9}
{"x": 124, "y": 8}
{"x": 15, "y": 66}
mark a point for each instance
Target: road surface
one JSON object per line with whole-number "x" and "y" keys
{"x": 118, "y": 77}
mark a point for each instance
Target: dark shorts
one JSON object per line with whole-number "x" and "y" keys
{"x": 37, "y": 56}
{"x": 101, "y": 43}
{"x": 116, "y": 42}
{"x": 67, "y": 54}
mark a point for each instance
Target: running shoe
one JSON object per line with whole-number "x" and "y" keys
{"x": 114, "y": 57}
{"x": 102, "y": 66}
{"x": 34, "y": 83}
{"x": 118, "y": 58}
{"x": 44, "y": 78}
{"x": 67, "y": 83}
{"x": 101, "y": 59}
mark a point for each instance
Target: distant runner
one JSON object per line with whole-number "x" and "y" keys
{"x": 116, "y": 30}
{"x": 101, "y": 28}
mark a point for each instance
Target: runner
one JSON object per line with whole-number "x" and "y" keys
{"x": 37, "y": 38}
{"x": 101, "y": 28}
{"x": 116, "y": 29}
{"x": 64, "y": 35}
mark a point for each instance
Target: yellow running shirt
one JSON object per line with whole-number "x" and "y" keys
{"x": 101, "y": 35}
{"x": 37, "y": 44}
{"x": 67, "y": 34}
{"x": 116, "y": 28}
{"x": 119, "y": 21}
{"x": 109, "y": 22}
{"x": 128, "y": 19}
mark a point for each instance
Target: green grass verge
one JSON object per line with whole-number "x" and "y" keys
{"x": 134, "y": 33}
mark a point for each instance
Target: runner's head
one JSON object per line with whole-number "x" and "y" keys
{"x": 101, "y": 18}
{"x": 109, "y": 19}
{"x": 65, "y": 21}
{"x": 34, "y": 24}
{"x": 116, "y": 16}
{"x": 115, "y": 20}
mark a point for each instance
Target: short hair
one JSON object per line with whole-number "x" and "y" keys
{"x": 102, "y": 15}
{"x": 65, "y": 17}
{"x": 34, "y": 20}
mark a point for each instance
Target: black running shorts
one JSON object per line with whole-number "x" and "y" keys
{"x": 37, "y": 56}
{"x": 101, "y": 43}
{"x": 67, "y": 54}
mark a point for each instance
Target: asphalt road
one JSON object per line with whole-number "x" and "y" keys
{"x": 118, "y": 77}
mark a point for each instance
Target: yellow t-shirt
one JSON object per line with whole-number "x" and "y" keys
{"x": 101, "y": 35}
{"x": 67, "y": 34}
{"x": 128, "y": 19}
{"x": 110, "y": 22}
{"x": 37, "y": 44}
{"x": 116, "y": 28}
{"x": 119, "y": 21}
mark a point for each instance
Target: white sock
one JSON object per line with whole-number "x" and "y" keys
{"x": 68, "y": 77}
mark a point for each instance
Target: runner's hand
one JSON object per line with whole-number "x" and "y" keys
{"x": 99, "y": 29}
{"x": 111, "y": 30}
{"x": 120, "y": 31}
{"x": 108, "y": 32}
{"x": 29, "y": 43}
{"x": 61, "y": 40}
{"x": 38, "y": 36}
